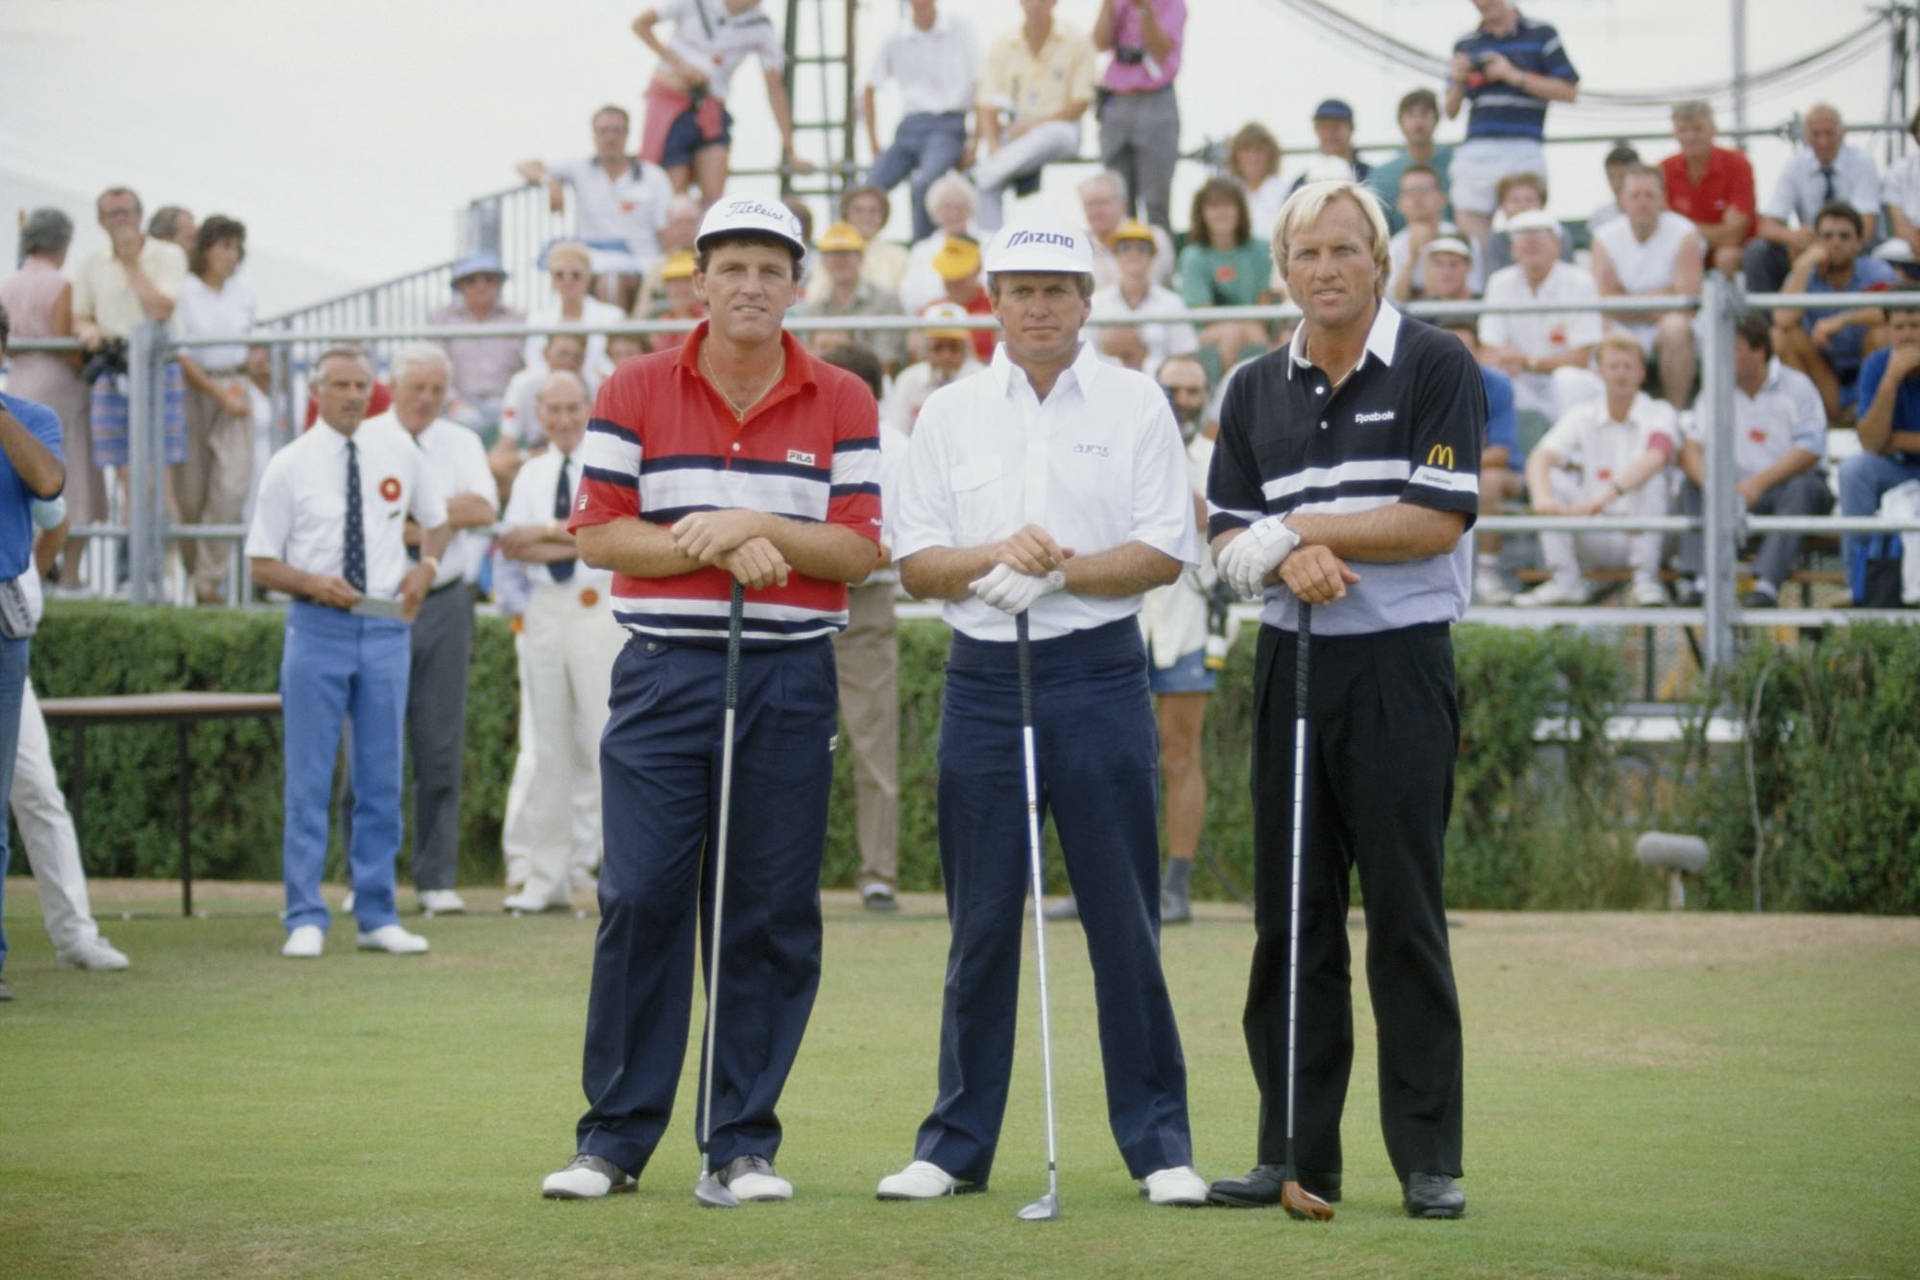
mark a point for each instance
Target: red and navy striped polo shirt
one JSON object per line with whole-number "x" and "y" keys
{"x": 663, "y": 444}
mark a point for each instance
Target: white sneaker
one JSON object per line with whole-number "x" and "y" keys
{"x": 441, "y": 902}
{"x": 1647, "y": 593}
{"x": 93, "y": 953}
{"x": 393, "y": 940}
{"x": 1551, "y": 592}
{"x": 1178, "y": 1186}
{"x": 305, "y": 943}
{"x": 921, "y": 1180}
{"x": 1488, "y": 588}
{"x": 586, "y": 1178}
{"x": 527, "y": 902}
{"x": 753, "y": 1178}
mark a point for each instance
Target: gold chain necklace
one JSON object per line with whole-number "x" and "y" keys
{"x": 740, "y": 410}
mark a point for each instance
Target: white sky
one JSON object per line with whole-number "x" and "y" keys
{"x": 347, "y": 135}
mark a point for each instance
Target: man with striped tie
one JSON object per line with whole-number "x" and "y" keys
{"x": 328, "y": 529}
{"x": 736, "y": 457}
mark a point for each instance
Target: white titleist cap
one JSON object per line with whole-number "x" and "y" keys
{"x": 1040, "y": 246}
{"x": 744, "y": 213}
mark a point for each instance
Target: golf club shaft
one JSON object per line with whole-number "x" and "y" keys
{"x": 735, "y": 612}
{"x": 1039, "y": 888}
{"x": 1299, "y": 831}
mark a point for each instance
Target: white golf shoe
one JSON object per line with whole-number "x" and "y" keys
{"x": 753, "y": 1178}
{"x": 586, "y": 1178}
{"x": 921, "y": 1180}
{"x": 1177, "y": 1186}
{"x": 91, "y": 953}
{"x": 305, "y": 942}
{"x": 393, "y": 940}
{"x": 441, "y": 902}
{"x": 1553, "y": 592}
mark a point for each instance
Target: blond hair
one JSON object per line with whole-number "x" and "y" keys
{"x": 569, "y": 253}
{"x": 1302, "y": 212}
{"x": 1619, "y": 340}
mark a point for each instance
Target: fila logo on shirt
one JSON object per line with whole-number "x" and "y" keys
{"x": 1385, "y": 415}
{"x": 799, "y": 457}
{"x": 1441, "y": 455}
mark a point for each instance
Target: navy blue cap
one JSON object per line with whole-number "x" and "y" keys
{"x": 1333, "y": 109}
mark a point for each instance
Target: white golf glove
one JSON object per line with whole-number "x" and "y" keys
{"x": 1012, "y": 592}
{"x": 1245, "y": 562}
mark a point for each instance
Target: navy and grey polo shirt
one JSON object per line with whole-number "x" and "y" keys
{"x": 1405, "y": 426}
{"x": 1500, "y": 110}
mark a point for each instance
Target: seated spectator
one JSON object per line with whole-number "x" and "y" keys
{"x": 570, "y": 271}
{"x": 1779, "y": 435}
{"x": 1548, "y": 354}
{"x": 1333, "y": 134}
{"x": 676, "y": 237}
{"x": 521, "y": 435}
{"x": 884, "y": 262}
{"x": 211, "y": 485}
{"x": 1253, "y": 161}
{"x": 619, "y": 203}
{"x": 1448, "y": 269}
{"x": 935, "y": 59}
{"x": 1134, "y": 293}
{"x": 1829, "y": 345}
{"x": 688, "y": 129}
{"x": 1604, "y": 458}
{"x": 1418, "y": 117}
{"x": 1224, "y": 266}
{"x": 482, "y": 367}
{"x": 958, "y": 264}
{"x": 949, "y": 356}
{"x": 1901, "y": 190}
{"x": 1502, "y": 465}
{"x": 1712, "y": 186}
{"x": 1509, "y": 68}
{"x": 1824, "y": 171}
{"x": 1138, "y": 113}
{"x": 680, "y": 302}
{"x": 952, "y": 201}
{"x": 849, "y": 293}
{"x": 1889, "y": 425}
{"x": 1040, "y": 75}
{"x": 1103, "y": 198}
{"x": 1618, "y": 161}
{"x": 1422, "y": 201}
{"x": 622, "y": 347}
{"x": 174, "y": 225}
{"x": 1517, "y": 193}
{"x": 1650, "y": 251}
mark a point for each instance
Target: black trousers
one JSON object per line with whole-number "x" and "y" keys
{"x": 1383, "y": 732}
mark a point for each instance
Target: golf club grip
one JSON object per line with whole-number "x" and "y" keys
{"x": 1021, "y": 632}
{"x": 736, "y": 611}
{"x": 1300, "y": 660}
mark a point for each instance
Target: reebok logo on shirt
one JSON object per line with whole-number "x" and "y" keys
{"x": 1385, "y": 415}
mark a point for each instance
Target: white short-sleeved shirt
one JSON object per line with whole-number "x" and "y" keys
{"x": 458, "y": 463}
{"x": 103, "y": 294}
{"x": 936, "y": 69}
{"x": 300, "y": 513}
{"x": 1594, "y": 445}
{"x": 592, "y": 311}
{"x": 909, "y": 391}
{"x": 1173, "y": 618}
{"x": 630, "y": 208}
{"x": 1900, "y": 188}
{"x": 532, "y": 502}
{"x": 717, "y": 42}
{"x": 1162, "y": 339}
{"x": 1542, "y": 333}
{"x": 1802, "y": 188}
{"x": 202, "y": 313}
{"x": 1786, "y": 413}
{"x": 1646, "y": 266}
{"x": 1098, "y": 464}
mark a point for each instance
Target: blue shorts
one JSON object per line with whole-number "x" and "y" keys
{"x": 1189, "y": 675}
{"x": 684, "y": 137}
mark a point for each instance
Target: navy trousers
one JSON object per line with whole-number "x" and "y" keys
{"x": 660, "y": 796}
{"x": 1098, "y": 757}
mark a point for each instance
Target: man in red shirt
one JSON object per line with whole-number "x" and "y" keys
{"x": 958, "y": 263}
{"x": 735, "y": 457}
{"x": 1711, "y": 185}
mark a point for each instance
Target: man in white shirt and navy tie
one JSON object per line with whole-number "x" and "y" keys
{"x": 328, "y": 529}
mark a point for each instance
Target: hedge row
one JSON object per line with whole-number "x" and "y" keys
{"x": 1533, "y": 827}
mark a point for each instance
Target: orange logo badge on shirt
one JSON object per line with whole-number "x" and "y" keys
{"x": 589, "y": 597}
{"x": 390, "y": 489}
{"x": 1757, "y": 434}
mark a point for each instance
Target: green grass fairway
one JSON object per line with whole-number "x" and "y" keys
{"x": 1647, "y": 1095}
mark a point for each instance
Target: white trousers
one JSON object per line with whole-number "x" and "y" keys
{"x": 1041, "y": 145}
{"x": 1568, "y": 555}
{"x": 552, "y": 827}
{"x": 46, "y": 829}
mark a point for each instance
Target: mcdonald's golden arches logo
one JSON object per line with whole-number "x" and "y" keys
{"x": 1441, "y": 455}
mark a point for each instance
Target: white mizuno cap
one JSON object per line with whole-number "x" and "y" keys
{"x": 1040, "y": 246}
{"x": 746, "y": 213}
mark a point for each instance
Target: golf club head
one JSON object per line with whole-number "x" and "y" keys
{"x": 714, "y": 1194}
{"x": 1045, "y": 1209}
{"x": 1303, "y": 1204}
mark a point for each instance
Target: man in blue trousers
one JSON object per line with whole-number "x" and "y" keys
{"x": 329, "y": 529}
{"x": 1054, "y": 484}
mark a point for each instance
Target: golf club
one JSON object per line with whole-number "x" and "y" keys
{"x": 1047, "y": 1207}
{"x": 1294, "y": 1198}
{"x": 709, "y": 1191}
